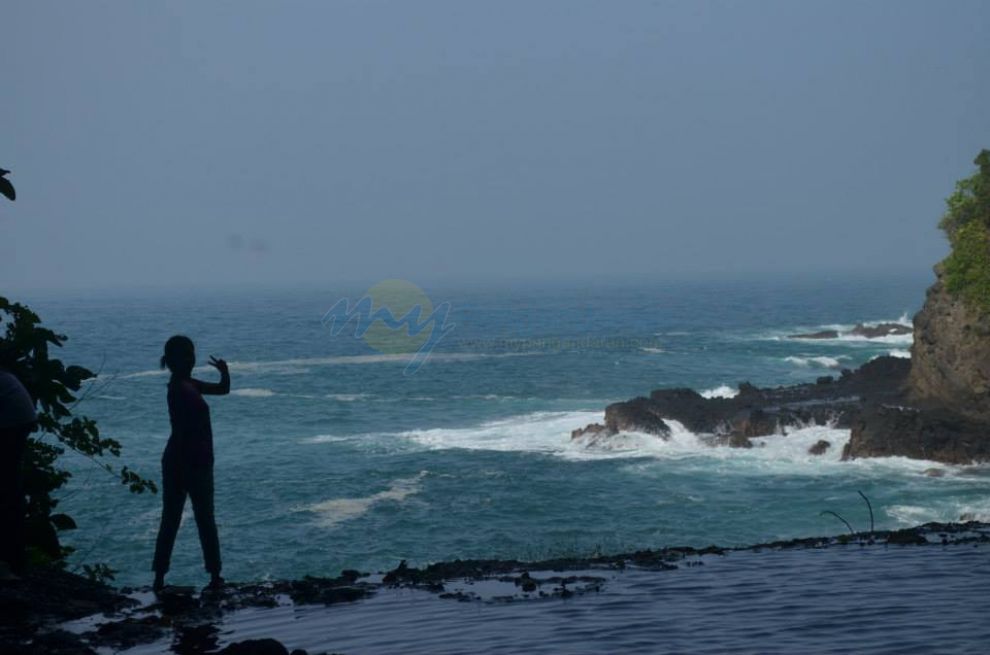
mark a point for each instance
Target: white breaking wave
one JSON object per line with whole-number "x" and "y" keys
{"x": 892, "y": 339}
{"x": 330, "y": 438}
{"x": 721, "y": 391}
{"x": 251, "y": 392}
{"x": 546, "y": 432}
{"x": 336, "y": 510}
{"x": 347, "y": 397}
{"x": 549, "y": 433}
{"x": 822, "y": 361}
{"x": 291, "y": 366}
{"x": 843, "y": 329}
{"x": 904, "y": 354}
{"x": 774, "y": 453}
{"x": 943, "y": 511}
{"x": 655, "y": 351}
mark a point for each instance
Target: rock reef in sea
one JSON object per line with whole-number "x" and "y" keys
{"x": 933, "y": 406}
{"x": 861, "y": 330}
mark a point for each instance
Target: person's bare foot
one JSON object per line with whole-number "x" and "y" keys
{"x": 159, "y": 582}
{"x": 216, "y": 582}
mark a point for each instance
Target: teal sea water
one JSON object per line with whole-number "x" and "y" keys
{"x": 330, "y": 455}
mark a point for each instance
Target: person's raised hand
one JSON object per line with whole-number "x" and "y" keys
{"x": 219, "y": 364}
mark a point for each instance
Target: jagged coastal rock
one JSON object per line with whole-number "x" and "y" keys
{"x": 946, "y": 414}
{"x": 951, "y": 354}
{"x": 935, "y": 406}
{"x": 756, "y": 412}
{"x": 859, "y": 330}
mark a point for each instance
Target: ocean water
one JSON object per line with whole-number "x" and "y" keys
{"x": 332, "y": 455}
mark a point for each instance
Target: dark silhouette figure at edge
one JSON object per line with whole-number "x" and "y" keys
{"x": 17, "y": 420}
{"x": 187, "y": 464}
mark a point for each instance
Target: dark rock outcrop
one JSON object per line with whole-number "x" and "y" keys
{"x": 881, "y": 330}
{"x": 951, "y": 355}
{"x": 823, "y": 334}
{"x": 755, "y": 412}
{"x": 946, "y": 413}
{"x": 636, "y": 415}
{"x": 819, "y": 447}
{"x": 860, "y": 330}
{"x": 934, "y": 434}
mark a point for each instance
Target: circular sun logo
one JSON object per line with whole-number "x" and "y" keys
{"x": 400, "y": 309}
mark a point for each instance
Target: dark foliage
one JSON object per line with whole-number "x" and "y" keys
{"x": 24, "y": 350}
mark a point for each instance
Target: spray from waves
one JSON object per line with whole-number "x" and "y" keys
{"x": 549, "y": 434}
{"x": 539, "y": 432}
{"x": 843, "y": 329}
{"x": 820, "y": 361}
{"x": 721, "y": 391}
{"x": 337, "y": 510}
{"x": 777, "y": 453}
{"x": 300, "y": 365}
{"x": 891, "y": 339}
{"x": 904, "y": 354}
{"x": 942, "y": 511}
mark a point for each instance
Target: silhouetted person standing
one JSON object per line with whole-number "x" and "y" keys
{"x": 187, "y": 465}
{"x": 17, "y": 421}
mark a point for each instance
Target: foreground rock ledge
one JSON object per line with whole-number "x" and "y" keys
{"x": 192, "y": 622}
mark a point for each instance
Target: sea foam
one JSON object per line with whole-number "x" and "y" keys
{"x": 721, "y": 391}
{"x": 336, "y": 510}
{"x": 821, "y": 361}
{"x": 301, "y": 364}
{"x": 252, "y": 392}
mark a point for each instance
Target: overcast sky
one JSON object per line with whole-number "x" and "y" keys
{"x": 175, "y": 144}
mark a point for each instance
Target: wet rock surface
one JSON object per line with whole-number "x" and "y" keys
{"x": 932, "y": 434}
{"x": 819, "y": 447}
{"x": 755, "y": 411}
{"x": 951, "y": 355}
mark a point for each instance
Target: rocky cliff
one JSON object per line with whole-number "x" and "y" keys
{"x": 950, "y": 358}
{"x": 946, "y": 411}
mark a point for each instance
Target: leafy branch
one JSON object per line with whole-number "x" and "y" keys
{"x": 24, "y": 351}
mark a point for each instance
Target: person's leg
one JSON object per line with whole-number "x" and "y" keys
{"x": 201, "y": 495}
{"x": 12, "y": 444}
{"x": 173, "y": 500}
